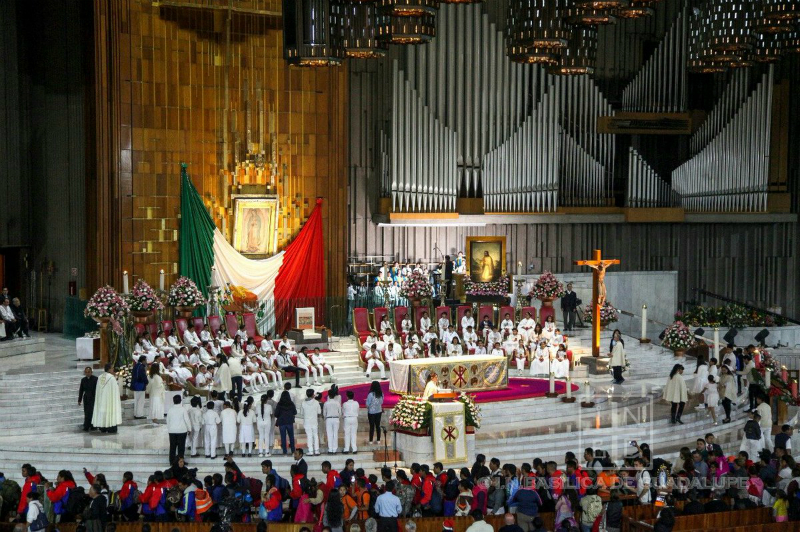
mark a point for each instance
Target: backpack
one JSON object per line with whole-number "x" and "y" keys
{"x": 254, "y": 485}
{"x": 373, "y": 495}
{"x": 76, "y": 503}
{"x": 284, "y": 488}
{"x": 752, "y": 431}
{"x": 10, "y": 493}
{"x": 40, "y": 523}
{"x": 114, "y": 502}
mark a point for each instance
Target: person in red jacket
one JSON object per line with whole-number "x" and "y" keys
{"x": 428, "y": 486}
{"x": 416, "y": 481}
{"x": 332, "y": 478}
{"x": 32, "y": 481}
{"x": 297, "y": 487}
{"x": 60, "y": 494}
{"x": 128, "y": 505}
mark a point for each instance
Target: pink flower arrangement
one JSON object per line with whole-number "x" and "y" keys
{"x": 106, "y": 303}
{"x": 184, "y": 292}
{"x": 608, "y": 313}
{"x": 416, "y": 286}
{"x": 143, "y": 298}
{"x": 678, "y": 337}
{"x": 489, "y": 288}
{"x": 547, "y": 287}
{"x": 411, "y": 412}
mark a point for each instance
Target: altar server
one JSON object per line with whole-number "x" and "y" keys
{"x": 454, "y": 348}
{"x": 304, "y": 363}
{"x": 319, "y": 362}
{"x": 392, "y": 353}
{"x": 424, "y": 322}
{"x": 211, "y": 423}
{"x": 196, "y": 419}
{"x": 406, "y": 325}
{"x": 507, "y": 324}
{"x": 467, "y": 321}
{"x": 311, "y": 412}
{"x": 526, "y": 325}
{"x": 332, "y": 413}
{"x": 107, "y": 412}
{"x": 385, "y": 324}
{"x": 373, "y": 358}
{"x": 228, "y": 419}
{"x": 444, "y": 322}
{"x": 350, "y": 414}
{"x": 470, "y": 339}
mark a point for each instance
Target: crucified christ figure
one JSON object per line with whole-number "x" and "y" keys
{"x": 601, "y": 279}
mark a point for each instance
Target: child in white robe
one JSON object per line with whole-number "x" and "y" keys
{"x": 526, "y": 326}
{"x": 521, "y": 357}
{"x": 319, "y": 362}
{"x": 211, "y": 423}
{"x": 540, "y": 365}
{"x": 497, "y": 351}
{"x": 424, "y": 323}
{"x": 265, "y": 423}
{"x": 429, "y": 338}
{"x": 370, "y": 341}
{"x": 443, "y": 323}
{"x": 480, "y": 349}
{"x": 406, "y": 325}
{"x": 506, "y": 325}
{"x": 162, "y": 344}
{"x": 392, "y": 352}
{"x": 385, "y": 324}
{"x": 271, "y": 370}
{"x": 493, "y": 338}
{"x": 246, "y": 419}
{"x": 549, "y": 326}
{"x": 467, "y": 321}
{"x": 251, "y": 347}
{"x": 196, "y": 418}
{"x": 373, "y": 359}
{"x": 454, "y": 349}
{"x": 388, "y": 336}
{"x": 410, "y": 351}
{"x": 229, "y": 433}
{"x": 202, "y": 379}
{"x": 512, "y": 341}
{"x": 560, "y": 365}
{"x": 303, "y": 363}
{"x": 205, "y": 335}
{"x": 470, "y": 339}
{"x": 173, "y": 341}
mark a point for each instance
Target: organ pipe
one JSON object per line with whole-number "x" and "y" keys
{"x": 646, "y": 188}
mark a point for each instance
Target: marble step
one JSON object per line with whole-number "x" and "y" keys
{"x": 18, "y": 347}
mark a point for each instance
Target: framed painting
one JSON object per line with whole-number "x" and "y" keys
{"x": 304, "y": 318}
{"x": 486, "y": 258}
{"x": 255, "y": 225}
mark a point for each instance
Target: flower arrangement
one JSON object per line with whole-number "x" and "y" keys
{"x": 678, "y": 337}
{"x": 411, "y": 413}
{"x": 547, "y": 287}
{"x": 416, "y": 286}
{"x": 488, "y": 288}
{"x": 473, "y": 412}
{"x": 124, "y": 375}
{"x": 106, "y": 303}
{"x": 184, "y": 293}
{"x": 608, "y": 313}
{"x": 143, "y": 298}
{"x": 730, "y": 316}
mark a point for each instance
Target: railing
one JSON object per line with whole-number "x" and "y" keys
{"x": 748, "y": 306}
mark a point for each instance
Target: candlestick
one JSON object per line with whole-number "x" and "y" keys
{"x": 716, "y": 345}
{"x": 767, "y": 377}
{"x": 586, "y": 391}
{"x": 569, "y": 387}
{"x": 552, "y": 383}
{"x": 161, "y": 280}
{"x": 757, "y": 357}
{"x": 644, "y": 322}
{"x": 519, "y": 268}
{"x": 125, "y": 282}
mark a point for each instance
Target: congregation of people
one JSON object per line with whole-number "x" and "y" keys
{"x": 13, "y": 318}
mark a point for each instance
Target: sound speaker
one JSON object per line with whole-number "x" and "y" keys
{"x": 762, "y": 336}
{"x": 730, "y": 337}
{"x": 699, "y": 332}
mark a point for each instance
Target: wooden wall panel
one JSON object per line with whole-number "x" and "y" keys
{"x": 174, "y": 85}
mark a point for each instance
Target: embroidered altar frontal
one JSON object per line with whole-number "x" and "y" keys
{"x": 449, "y": 432}
{"x": 468, "y": 373}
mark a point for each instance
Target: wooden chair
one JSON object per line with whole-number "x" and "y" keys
{"x": 528, "y": 309}
{"x": 400, "y": 313}
{"x": 377, "y": 314}
{"x": 438, "y": 315}
{"x": 199, "y": 323}
{"x": 486, "y": 310}
{"x": 418, "y": 312}
{"x": 361, "y": 321}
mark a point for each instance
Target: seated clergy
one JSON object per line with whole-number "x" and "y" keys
{"x": 10, "y": 321}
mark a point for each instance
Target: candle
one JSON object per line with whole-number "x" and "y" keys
{"x": 125, "y": 282}
{"x": 767, "y": 378}
{"x": 569, "y": 387}
{"x": 552, "y": 383}
{"x": 519, "y": 268}
{"x": 757, "y": 357}
{"x": 784, "y": 375}
{"x": 586, "y": 395}
{"x": 794, "y": 389}
{"x": 716, "y": 345}
{"x": 644, "y": 321}
{"x": 161, "y": 280}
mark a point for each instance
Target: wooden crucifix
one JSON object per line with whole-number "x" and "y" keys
{"x": 599, "y": 265}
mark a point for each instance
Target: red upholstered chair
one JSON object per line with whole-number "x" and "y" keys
{"x": 166, "y": 327}
{"x": 546, "y": 311}
{"x": 199, "y": 323}
{"x": 152, "y": 327}
{"x": 400, "y": 313}
{"x": 181, "y": 324}
{"x": 360, "y": 321}
{"x": 482, "y": 312}
{"x": 140, "y": 329}
{"x": 214, "y": 323}
{"x": 501, "y": 315}
{"x": 377, "y": 314}
{"x": 251, "y": 328}
{"x": 438, "y": 315}
{"x": 461, "y": 310}
{"x": 231, "y": 324}
{"x": 528, "y": 309}
{"x": 418, "y": 310}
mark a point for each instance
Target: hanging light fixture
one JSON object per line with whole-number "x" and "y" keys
{"x": 589, "y": 17}
{"x": 768, "y": 21}
{"x": 767, "y": 49}
{"x": 359, "y": 30}
{"x": 311, "y": 33}
{"x": 580, "y": 54}
{"x": 729, "y": 26}
{"x": 790, "y": 42}
{"x": 537, "y": 24}
{"x": 697, "y": 36}
{"x": 636, "y": 9}
{"x": 531, "y": 55}
{"x": 406, "y": 21}
{"x": 781, "y": 9}
{"x": 601, "y": 4}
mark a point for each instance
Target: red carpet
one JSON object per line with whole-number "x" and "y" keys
{"x": 518, "y": 389}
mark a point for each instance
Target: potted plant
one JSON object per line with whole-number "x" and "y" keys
{"x": 547, "y": 288}
{"x": 679, "y": 338}
{"x": 143, "y": 301}
{"x": 416, "y": 287}
{"x": 104, "y": 305}
{"x": 608, "y": 314}
{"x": 185, "y": 297}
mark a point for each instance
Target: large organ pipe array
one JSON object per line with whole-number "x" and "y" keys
{"x": 660, "y": 85}
{"x": 645, "y": 187}
{"x": 731, "y": 172}
{"x": 522, "y": 173}
{"x": 735, "y": 93}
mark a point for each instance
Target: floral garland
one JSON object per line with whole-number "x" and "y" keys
{"x": 416, "y": 286}
{"x": 473, "y": 412}
{"x": 184, "y": 293}
{"x": 727, "y": 316}
{"x": 608, "y": 313}
{"x": 143, "y": 298}
{"x": 678, "y": 337}
{"x": 487, "y": 288}
{"x": 547, "y": 287}
{"x": 106, "y": 303}
{"x": 411, "y": 412}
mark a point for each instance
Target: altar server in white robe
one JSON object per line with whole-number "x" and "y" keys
{"x": 540, "y": 364}
{"x": 406, "y": 325}
{"x": 311, "y": 411}
{"x": 265, "y": 423}
{"x": 385, "y": 324}
{"x": 196, "y": 418}
{"x": 229, "y": 433}
{"x": 205, "y": 334}
{"x": 493, "y": 337}
{"x": 454, "y": 348}
{"x": 560, "y": 366}
{"x": 480, "y": 349}
{"x": 156, "y": 390}
{"x": 506, "y": 325}
{"x": 211, "y": 423}
{"x": 467, "y": 321}
{"x": 411, "y": 351}
{"x": 526, "y": 326}
{"x": 373, "y": 359}
{"x": 470, "y": 339}
{"x": 443, "y": 323}
{"x": 173, "y": 341}
{"x": 388, "y": 336}
{"x": 520, "y": 356}
{"x": 107, "y": 412}
{"x": 512, "y": 341}
{"x": 429, "y": 338}
{"x": 319, "y": 362}
{"x": 370, "y": 341}
{"x": 497, "y": 351}
{"x": 424, "y": 323}
{"x": 162, "y": 344}
{"x": 676, "y": 393}
{"x": 304, "y": 363}
{"x": 190, "y": 338}
{"x": 393, "y": 352}
{"x": 246, "y": 419}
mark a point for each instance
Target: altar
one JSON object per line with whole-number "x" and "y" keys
{"x": 467, "y": 373}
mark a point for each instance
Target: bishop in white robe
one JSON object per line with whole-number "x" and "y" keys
{"x": 107, "y": 414}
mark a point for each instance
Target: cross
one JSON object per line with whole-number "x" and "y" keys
{"x": 449, "y": 433}
{"x": 459, "y": 378}
{"x": 599, "y": 265}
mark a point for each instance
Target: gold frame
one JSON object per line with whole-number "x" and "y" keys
{"x": 487, "y": 239}
{"x": 241, "y": 202}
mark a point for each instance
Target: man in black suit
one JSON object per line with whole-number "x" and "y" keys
{"x": 448, "y": 277}
{"x": 302, "y": 466}
{"x": 86, "y": 397}
{"x": 569, "y": 303}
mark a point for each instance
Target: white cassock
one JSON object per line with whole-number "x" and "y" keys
{"x": 540, "y": 366}
{"x": 392, "y": 355}
{"x": 467, "y": 321}
{"x": 424, "y": 324}
{"x": 385, "y": 324}
{"x": 525, "y": 327}
{"x": 228, "y": 418}
{"x": 454, "y": 350}
{"x": 107, "y": 406}
{"x": 443, "y": 323}
{"x": 405, "y": 325}
{"x": 480, "y": 350}
{"x": 561, "y": 368}
{"x": 506, "y": 325}
{"x": 470, "y": 340}
{"x": 410, "y": 352}
{"x": 497, "y": 352}
{"x": 493, "y": 337}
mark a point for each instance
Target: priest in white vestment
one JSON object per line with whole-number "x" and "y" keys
{"x": 107, "y": 414}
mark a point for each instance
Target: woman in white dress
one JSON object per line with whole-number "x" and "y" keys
{"x": 265, "y": 423}
{"x": 700, "y": 376}
{"x": 710, "y": 394}
{"x": 676, "y": 393}
{"x": 560, "y": 365}
{"x": 155, "y": 389}
{"x": 246, "y": 419}
{"x": 540, "y": 363}
{"x": 222, "y": 378}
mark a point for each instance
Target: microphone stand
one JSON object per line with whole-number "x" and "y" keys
{"x": 385, "y": 446}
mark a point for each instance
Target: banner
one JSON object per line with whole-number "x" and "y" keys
{"x": 449, "y": 431}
